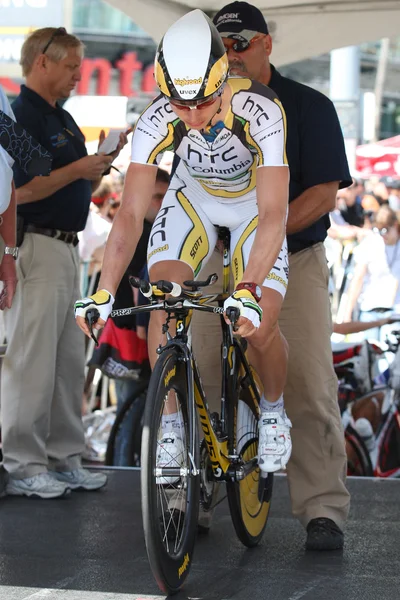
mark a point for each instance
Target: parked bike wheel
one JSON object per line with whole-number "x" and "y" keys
{"x": 170, "y": 506}
{"x": 358, "y": 459}
{"x": 250, "y": 498}
{"x": 134, "y": 407}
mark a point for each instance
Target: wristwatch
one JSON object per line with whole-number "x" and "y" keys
{"x": 13, "y": 250}
{"x": 253, "y": 288}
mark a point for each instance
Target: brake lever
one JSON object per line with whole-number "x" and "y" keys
{"x": 91, "y": 318}
{"x": 233, "y": 314}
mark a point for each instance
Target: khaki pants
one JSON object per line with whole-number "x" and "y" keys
{"x": 43, "y": 370}
{"x": 317, "y": 469}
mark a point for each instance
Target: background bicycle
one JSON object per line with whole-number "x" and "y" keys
{"x": 370, "y": 411}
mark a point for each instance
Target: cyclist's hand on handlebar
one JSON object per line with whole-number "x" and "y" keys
{"x": 250, "y": 312}
{"x": 102, "y": 301}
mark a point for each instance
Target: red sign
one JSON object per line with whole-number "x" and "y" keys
{"x": 127, "y": 66}
{"x": 381, "y": 158}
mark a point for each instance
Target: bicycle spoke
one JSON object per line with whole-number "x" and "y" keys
{"x": 171, "y": 501}
{"x": 171, "y": 496}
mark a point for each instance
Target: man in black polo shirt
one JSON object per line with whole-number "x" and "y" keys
{"x": 318, "y": 167}
{"x": 43, "y": 371}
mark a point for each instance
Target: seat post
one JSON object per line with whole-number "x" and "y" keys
{"x": 224, "y": 236}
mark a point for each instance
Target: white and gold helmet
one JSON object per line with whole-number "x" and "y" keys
{"x": 191, "y": 64}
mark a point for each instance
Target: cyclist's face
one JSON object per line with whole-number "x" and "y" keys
{"x": 252, "y": 62}
{"x": 199, "y": 117}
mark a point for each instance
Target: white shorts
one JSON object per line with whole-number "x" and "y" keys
{"x": 186, "y": 229}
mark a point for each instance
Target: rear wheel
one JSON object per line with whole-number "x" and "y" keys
{"x": 250, "y": 498}
{"x": 170, "y": 504}
{"x": 132, "y": 412}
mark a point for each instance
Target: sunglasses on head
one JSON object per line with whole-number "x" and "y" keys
{"x": 242, "y": 45}
{"x": 59, "y": 31}
{"x": 380, "y": 230}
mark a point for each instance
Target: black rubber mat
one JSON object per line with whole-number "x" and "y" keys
{"x": 91, "y": 547}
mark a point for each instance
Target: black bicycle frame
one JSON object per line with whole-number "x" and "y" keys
{"x": 233, "y": 350}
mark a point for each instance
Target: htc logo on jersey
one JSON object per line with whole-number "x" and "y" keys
{"x": 212, "y": 156}
{"x": 159, "y": 226}
{"x": 232, "y": 169}
{"x": 256, "y": 110}
{"x": 158, "y": 114}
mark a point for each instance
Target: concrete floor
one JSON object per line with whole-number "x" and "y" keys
{"x": 91, "y": 547}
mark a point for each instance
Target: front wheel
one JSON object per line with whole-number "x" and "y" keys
{"x": 170, "y": 504}
{"x": 250, "y": 498}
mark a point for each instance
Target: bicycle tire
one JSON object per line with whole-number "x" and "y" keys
{"x": 170, "y": 560}
{"x": 364, "y": 466}
{"x": 250, "y": 498}
{"x": 112, "y": 438}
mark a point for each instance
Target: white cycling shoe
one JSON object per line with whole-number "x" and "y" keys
{"x": 274, "y": 441}
{"x": 170, "y": 453}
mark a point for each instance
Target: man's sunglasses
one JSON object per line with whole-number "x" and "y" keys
{"x": 59, "y": 31}
{"x": 242, "y": 45}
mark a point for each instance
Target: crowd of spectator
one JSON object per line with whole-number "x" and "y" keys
{"x": 367, "y": 216}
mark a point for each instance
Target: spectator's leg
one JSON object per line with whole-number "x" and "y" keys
{"x": 317, "y": 468}
{"x": 66, "y": 440}
{"x": 28, "y": 370}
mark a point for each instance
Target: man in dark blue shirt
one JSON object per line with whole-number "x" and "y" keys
{"x": 318, "y": 167}
{"x": 43, "y": 371}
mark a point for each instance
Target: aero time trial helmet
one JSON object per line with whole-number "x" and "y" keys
{"x": 191, "y": 62}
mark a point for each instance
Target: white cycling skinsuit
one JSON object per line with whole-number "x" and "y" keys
{"x": 214, "y": 184}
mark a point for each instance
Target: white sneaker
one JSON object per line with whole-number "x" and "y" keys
{"x": 41, "y": 486}
{"x": 274, "y": 442}
{"x": 170, "y": 453}
{"x": 80, "y": 479}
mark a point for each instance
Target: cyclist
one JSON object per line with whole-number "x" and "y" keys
{"x": 230, "y": 135}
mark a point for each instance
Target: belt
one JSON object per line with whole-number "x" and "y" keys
{"x": 301, "y": 249}
{"x": 69, "y": 237}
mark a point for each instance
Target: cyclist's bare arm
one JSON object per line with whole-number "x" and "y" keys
{"x": 272, "y": 186}
{"x": 126, "y": 230}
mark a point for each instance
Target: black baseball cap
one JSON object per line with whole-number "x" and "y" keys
{"x": 240, "y": 20}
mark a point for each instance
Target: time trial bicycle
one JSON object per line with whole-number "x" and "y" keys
{"x": 171, "y": 494}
